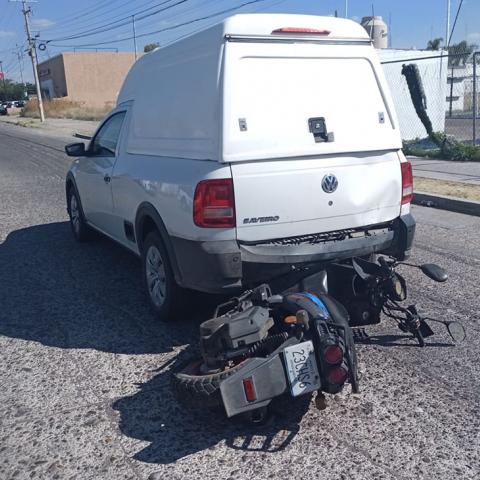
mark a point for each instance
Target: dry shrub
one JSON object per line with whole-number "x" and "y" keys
{"x": 64, "y": 109}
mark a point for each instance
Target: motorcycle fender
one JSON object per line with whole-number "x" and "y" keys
{"x": 269, "y": 381}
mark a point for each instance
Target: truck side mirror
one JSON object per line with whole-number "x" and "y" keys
{"x": 75, "y": 149}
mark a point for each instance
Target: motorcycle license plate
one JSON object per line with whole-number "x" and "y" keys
{"x": 301, "y": 366}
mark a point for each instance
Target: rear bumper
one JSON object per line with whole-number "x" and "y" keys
{"x": 225, "y": 266}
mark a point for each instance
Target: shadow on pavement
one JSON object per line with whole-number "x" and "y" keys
{"x": 89, "y": 296}
{"x": 154, "y": 415}
{"x": 69, "y": 295}
{"x": 400, "y": 341}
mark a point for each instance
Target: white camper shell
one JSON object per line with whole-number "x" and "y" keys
{"x": 291, "y": 111}
{"x": 240, "y": 91}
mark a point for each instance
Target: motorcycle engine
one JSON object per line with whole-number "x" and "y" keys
{"x": 230, "y": 335}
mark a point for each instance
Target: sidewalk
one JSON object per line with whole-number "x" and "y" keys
{"x": 55, "y": 127}
{"x": 464, "y": 172}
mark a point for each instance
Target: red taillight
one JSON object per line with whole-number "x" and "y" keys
{"x": 333, "y": 354}
{"x": 249, "y": 388}
{"x": 311, "y": 31}
{"x": 407, "y": 182}
{"x": 337, "y": 376}
{"x": 214, "y": 204}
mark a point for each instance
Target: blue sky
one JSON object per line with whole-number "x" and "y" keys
{"x": 413, "y": 22}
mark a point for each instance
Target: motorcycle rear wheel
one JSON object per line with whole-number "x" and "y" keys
{"x": 195, "y": 390}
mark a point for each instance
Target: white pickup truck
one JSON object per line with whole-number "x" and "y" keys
{"x": 266, "y": 143}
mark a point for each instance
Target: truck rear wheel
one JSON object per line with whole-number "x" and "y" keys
{"x": 163, "y": 293}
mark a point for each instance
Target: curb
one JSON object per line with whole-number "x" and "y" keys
{"x": 452, "y": 204}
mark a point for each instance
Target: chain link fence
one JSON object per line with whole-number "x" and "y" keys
{"x": 450, "y": 91}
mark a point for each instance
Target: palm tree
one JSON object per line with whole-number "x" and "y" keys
{"x": 434, "y": 44}
{"x": 460, "y": 53}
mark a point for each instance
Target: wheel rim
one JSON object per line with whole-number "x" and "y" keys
{"x": 156, "y": 277}
{"x": 75, "y": 213}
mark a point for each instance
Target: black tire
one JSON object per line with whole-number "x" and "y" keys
{"x": 200, "y": 391}
{"x": 80, "y": 229}
{"x": 173, "y": 296}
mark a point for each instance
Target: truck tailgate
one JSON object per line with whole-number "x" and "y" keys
{"x": 285, "y": 198}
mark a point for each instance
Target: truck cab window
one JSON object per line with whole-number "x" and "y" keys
{"x": 105, "y": 142}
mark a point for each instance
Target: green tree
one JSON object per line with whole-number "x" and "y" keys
{"x": 434, "y": 44}
{"x": 460, "y": 53}
{"x": 12, "y": 90}
{"x": 150, "y": 46}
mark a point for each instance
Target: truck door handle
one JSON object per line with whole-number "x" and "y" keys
{"x": 107, "y": 178}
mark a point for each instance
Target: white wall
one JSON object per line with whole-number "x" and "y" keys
{"x": 433, "y": 72}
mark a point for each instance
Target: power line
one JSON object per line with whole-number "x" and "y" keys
{"x": 454, "y": 23}
{"x": 172, "y": 27}
{"x": 86, "y": 21}
{"x": 87, "y": 13}
{"x": 179, "y": 13}
{"x": 124, "y": 21}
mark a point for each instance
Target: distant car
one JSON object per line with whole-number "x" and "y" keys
{"x": 3, "y": 110}
{"x": 19, "y": 104}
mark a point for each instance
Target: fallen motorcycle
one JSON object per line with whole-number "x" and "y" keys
{"x": 261, "y": 345}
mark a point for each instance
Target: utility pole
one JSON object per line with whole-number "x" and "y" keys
{"x": 134, "y": 37}
{"x": 346, "y": 8}
{"x": 447, "y": 34}
{"x": 20, "y": 65}
{"x": 32, "y": 50}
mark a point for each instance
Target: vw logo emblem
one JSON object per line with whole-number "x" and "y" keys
{"x": 329, "y": 183}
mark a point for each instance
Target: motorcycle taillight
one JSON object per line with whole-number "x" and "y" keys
{"x": 337, "y": 376}
{"x": 333, "y": 354}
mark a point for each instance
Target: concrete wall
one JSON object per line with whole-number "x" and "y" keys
{"x": 90, "y": 78}
{"x": 433, "y": 72}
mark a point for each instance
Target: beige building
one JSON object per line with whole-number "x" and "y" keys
{"x": 92, "y": 79}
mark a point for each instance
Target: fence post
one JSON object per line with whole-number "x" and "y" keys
{"x": 475, "y": 97}
{"x": 451, "y": 93}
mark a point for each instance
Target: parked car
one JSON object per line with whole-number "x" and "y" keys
{"x": 3, "y": 110}
{"x": 281, "y": 134}
{"x": 19, "y": 104}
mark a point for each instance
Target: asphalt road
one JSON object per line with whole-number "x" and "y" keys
{"x": 84, "y": 368}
